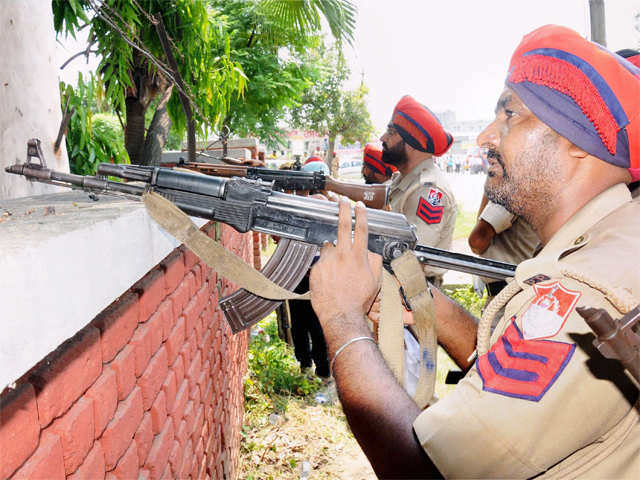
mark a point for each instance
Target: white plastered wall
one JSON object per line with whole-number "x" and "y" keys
{"x": 29, "y": 92}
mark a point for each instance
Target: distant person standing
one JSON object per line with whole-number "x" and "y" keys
{"x": 421, "y": 192}
{"x": 374, "y": 170}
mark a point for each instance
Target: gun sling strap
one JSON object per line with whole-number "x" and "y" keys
{"x": 406, "y": 268}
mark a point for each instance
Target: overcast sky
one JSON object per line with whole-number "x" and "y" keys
{"x": 453, "y": 54}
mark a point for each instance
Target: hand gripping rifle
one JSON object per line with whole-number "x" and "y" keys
{"x": 305, "y": 223}
{"x": 373, "y": 196}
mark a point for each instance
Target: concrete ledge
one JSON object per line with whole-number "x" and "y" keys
{"x": 63, "y": 259}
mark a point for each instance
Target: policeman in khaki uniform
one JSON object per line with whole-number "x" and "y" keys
{"x": 538, "y": 400}
{"x": 421, "y": 192}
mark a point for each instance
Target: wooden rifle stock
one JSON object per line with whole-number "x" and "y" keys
{"x": 373, "y": 196}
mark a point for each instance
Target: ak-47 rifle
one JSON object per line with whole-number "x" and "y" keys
{"x": 618, "y": 339}
{"x": 373, "y": 196}
{"x": 304, "y": 223}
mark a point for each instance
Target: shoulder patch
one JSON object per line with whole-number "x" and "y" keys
{"x": 520, "y": 368}
{"x": 428, "y": 212}
{"x": 549, "y": 310}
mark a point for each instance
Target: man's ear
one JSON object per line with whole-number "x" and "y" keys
{"x": 576, "y": 152}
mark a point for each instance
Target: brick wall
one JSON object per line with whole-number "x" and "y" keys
{"x": 150, "y": 388}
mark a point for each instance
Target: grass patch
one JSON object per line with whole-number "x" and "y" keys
{"x": 465, "y": 221}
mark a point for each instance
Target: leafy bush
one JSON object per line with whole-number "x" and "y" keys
{"x": 466, "y": 296}
{"x": 274, "y": 373}
{"x": 94, "y": 135}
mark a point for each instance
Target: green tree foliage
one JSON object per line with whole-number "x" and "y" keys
{"x": 94, "y": 135}
{"x": 328, "y": 109}
{"x": 270, "y": 38}
{"x": 199, "y": 42}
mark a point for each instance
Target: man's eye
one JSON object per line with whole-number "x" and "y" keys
{"x": 509, "y": 113}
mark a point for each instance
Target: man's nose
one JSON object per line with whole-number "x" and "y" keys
{"x": 384, "y": 137}
{"x": 489, "y": 137}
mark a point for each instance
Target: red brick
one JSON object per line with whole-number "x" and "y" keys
{"x": 124, "y": 366}
{"x": 202, "y": 470}
{"x": 176, "y": 340}
{"x": 46, "y": 462}
{"x": 208, "y": 392}
{"x": 180, "y": 403}
{"x": 141, "y": 343}
{"x": 117, "y": 437}
{"x": 194, "y": 466}
{"x": 206, "y": 343}
{"x": 198, "y": 423}
{"x": 175, "y": 458}
{"x": 197, "y": 271}
{"x": 155, "y": 324}
{"x": 19, "y": 427}
{"x": 156, "y": 461}
{"x": 191, "y": 313}
{"x": 158, "y": 412}
{"x": 194, "y": 394}
{"x": 144, "y": 475}
{"x": 151, "y": 289}
{"x": 193, "y": 373}
{"x": 151, "y": 380}
{"x": 187, "y": 460}
{"x": 190, "y": 259}
{"x": 76, "y": 431}
{"x": 111, "y": 476}
{"x": 167, "y": 475}
{"x": 170, "y": 389}
{"x": 179, "y": 298}
{"x": 173, "y": 266}
{"x": 182, "y": 434}
{"x": 65, "y": 374}
{"x": 93, "y": 465}
{"x": 190, "y": 277}
{"x": 204, "y": 374}
{"x": 190, "y": 416}
{"x": 144, "y": 438}
{"x": 200, "y": 329}
{"x": 117, "y": 323}
{"x": 104, "y": 393}
{"x": 178, "y": 369}
{"x": 127, "y": 467}
{"x": 191, "y": 349}
{"x": 167, "y": 320}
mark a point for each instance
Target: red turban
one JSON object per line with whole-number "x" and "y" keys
{"x": 581, "y": 90}
{"x": 373, "y": 158}
{"x": 313, "y": 158}
{"x": 419, "y": 127}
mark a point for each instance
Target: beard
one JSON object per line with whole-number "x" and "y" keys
{"x": 527, "y": 187}
{"x": 395, "y": 155}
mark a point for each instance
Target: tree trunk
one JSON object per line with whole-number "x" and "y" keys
{"x": 332, "y": 161}
{"x": 158, "y": 132}
{"x": 134, "y": 132}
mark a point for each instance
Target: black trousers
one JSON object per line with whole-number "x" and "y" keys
{"x": 308, "y": 339}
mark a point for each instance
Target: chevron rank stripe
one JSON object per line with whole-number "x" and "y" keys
{"x": 429, "y": 213}
{"x": 521, "y": 368}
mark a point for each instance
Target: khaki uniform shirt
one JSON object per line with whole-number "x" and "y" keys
{"x": 512, "y": 244}
{"x": 426, "y": 199}
{"x": 536, "y": 398}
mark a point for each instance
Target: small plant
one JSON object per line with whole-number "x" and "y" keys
{"x": 274, "y": 374}
{"x": 466, "y": 296}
